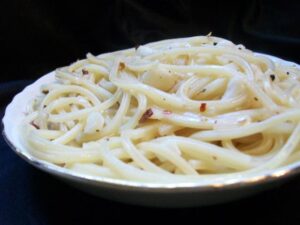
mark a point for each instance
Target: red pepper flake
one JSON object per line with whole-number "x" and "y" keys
{"x": 34, "y": 125}
{"x": 121, "y": 66}
{"x": 85, "y": 72}
{"x": 167, "y": 112}
{"x": 202, "y": 107}
{"x": 146, "y": 115}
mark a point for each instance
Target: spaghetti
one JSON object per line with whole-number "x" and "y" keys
{"x": 177, "y": 110}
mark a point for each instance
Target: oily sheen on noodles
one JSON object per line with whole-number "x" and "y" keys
{"x": 179, "y": 110}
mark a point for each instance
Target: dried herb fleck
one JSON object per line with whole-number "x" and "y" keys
{"x": 272, "y": 77}
{"x": 85, "y": 72}
{"x": 121, "y": 66}
{"x": 34, "y": 125}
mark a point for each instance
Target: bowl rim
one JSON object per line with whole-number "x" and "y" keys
{"x": 263, "y": 177}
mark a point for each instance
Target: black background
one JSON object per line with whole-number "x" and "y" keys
{"x": 38, "y": 36}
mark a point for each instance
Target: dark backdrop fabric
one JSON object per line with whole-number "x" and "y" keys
{"x": 38, "y": 36}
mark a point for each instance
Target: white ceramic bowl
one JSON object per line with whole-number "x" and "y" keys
{"x": 161, "y": 195}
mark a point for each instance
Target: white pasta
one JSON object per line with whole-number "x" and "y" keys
{"x": 177, "y": 110}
